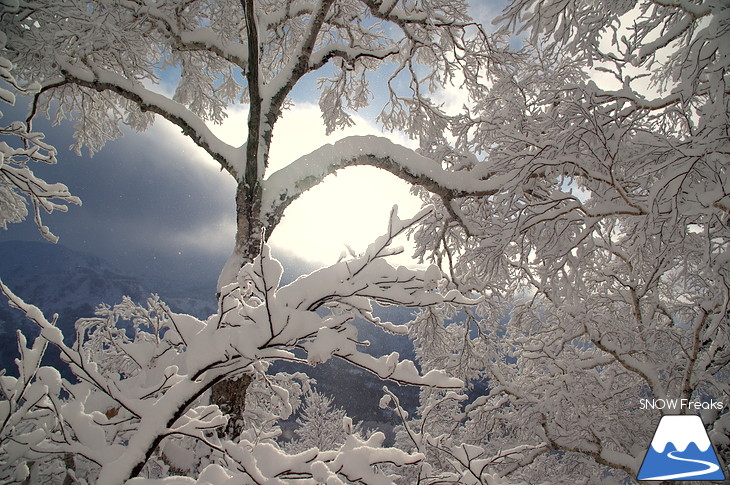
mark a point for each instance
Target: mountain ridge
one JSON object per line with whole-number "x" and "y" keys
{"x": 71, "y": 283}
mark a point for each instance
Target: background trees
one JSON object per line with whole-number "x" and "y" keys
{"x": 585, "y": 203}
{"x": 608, "y": 243}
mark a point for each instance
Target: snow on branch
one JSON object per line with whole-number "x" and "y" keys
{"x": 25, "y": 411}
{"x": 200, "y": 38}
{"x": 357, "y": 460}
{"x": 290, "y": 316}
{"x": 18, "y": 183}
{"x": 349, "y": 54}
{"x": 139, "y": 394}
{"x": 469, "y": 463}
{"x": 428, "y": 15}
{"x": 99, "y": 79}
{"x": 284, "y": 186}
{"x": 45, "y": 418}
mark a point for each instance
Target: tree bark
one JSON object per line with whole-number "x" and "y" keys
{"x": 230, "y": 396}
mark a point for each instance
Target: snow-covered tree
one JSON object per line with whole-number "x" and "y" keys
{"x": 607, "y": 245}
{"x": 100, "y": 63}
{"x": 320, "y": 424}
{"x": 18, "y": 184}
{"x": 142, "y": 387}
{"x": 583, "y": 191}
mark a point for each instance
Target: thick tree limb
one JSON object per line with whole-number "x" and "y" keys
{"x": 286, "y": 185}
{"x": 147, "y": 100}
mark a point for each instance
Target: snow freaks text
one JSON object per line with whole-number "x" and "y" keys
{"x": 680, "y": 404}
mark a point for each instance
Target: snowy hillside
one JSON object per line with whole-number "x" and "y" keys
{"x": 54, "y": 277}
{"x": 72, "y": 284}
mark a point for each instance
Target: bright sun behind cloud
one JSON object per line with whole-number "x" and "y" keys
{"x": 350, "y": 208}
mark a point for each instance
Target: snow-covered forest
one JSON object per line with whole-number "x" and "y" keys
{"x": 571, "y": 253}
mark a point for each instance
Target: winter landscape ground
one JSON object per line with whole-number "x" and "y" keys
{"x": 362, "y": 241}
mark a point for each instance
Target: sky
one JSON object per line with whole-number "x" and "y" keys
{"x": 155, "y": 205}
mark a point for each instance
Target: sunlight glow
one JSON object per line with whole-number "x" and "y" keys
{"x": 350, "y": 208}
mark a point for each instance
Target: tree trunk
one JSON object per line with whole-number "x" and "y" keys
{"x": 70, "y": 463}
{"x": 249, "y": 233}
{"x": 230, "y": 396}
{"x": 249, "y": 229}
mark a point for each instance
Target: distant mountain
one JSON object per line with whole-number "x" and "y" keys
{"x": 59, "y": 280}
{"x": 54, "y": 277}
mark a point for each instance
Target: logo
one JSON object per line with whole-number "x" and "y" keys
{"x": 681, "y": 450}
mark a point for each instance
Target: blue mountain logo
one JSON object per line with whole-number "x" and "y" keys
{"x": 681, "y": 450}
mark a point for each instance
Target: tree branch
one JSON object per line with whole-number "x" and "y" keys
{"x": 286, "y": 185}
{"x": 201, "y": 39}
{"x": 192, "y": 125}
{"x": 252, "y": 174}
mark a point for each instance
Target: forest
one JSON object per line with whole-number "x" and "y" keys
{"x": 569, "y": 276}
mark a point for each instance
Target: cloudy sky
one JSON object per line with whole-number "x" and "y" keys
{"x": 154, "y": 204}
